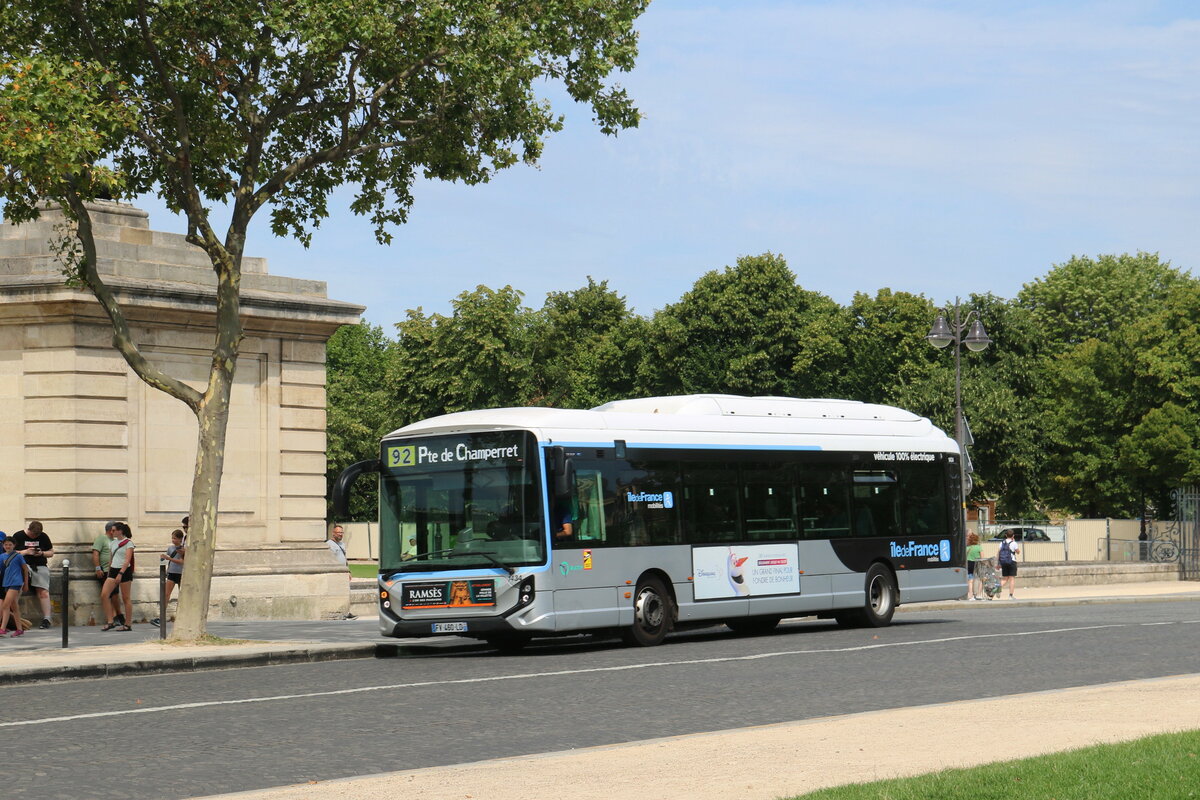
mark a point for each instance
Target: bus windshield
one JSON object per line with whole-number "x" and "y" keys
{"x": 461, "y": 502}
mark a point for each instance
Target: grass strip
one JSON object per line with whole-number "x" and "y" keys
{"x": 1162, "y": 766}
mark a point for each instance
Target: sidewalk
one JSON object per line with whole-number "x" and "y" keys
{"x": 93, "y": 653}
{"x": 790, "y": 758}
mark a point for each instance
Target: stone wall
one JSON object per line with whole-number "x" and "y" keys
{"x": 83, "y": 440}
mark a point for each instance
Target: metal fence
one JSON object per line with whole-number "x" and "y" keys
{"x": 1184, "y": 530}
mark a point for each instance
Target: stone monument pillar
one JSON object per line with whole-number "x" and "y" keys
{"x": 83, "y": 440}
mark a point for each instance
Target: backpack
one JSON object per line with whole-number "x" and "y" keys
{"x": 1006, "y": 556}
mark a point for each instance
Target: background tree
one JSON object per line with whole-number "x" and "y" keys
{"x": 1093, "y": 298}
{"x": 245, "y": 105}
{"x": 1116, "y": 334}
{"x": 360, "y": 406}
{"x": 587, "y": 347}
{"x": 746, "y": 330}
{"x": 478, "y": 357}
{"x": 1162, "y": 451}
{"x": 887, "y": 354}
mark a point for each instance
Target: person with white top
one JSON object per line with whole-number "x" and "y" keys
{"x": 339, "y": 552}
{"x": 120, "y": 574}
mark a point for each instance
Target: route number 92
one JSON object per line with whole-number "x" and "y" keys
{"x": 401, "y": 456}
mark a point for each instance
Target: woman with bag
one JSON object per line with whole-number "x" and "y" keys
{"x": 120, "y": 574}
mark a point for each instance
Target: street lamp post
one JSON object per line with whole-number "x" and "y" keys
{"x": 941, "y": 335}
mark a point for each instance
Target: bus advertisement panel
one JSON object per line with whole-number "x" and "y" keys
{"x": 745, "y": 570}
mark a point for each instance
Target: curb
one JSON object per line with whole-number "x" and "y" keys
{"x": 963, "y": 605}
{"x": 272, "y": 658}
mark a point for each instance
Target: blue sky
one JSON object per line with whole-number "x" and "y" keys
{"x": 931, "y": 147}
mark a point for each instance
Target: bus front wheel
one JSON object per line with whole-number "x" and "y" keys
{"x": 880, "y": 602}
{"x": 653, "y": 614}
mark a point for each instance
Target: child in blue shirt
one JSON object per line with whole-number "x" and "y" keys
{"x": 14, "y": 579}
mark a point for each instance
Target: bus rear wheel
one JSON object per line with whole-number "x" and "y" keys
{"x": 880, "y": 602}
{"x": 653, "y": 614}
{"x": 752, "y": 626}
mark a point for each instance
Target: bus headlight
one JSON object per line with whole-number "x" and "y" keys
{"x": 525, "y": 592}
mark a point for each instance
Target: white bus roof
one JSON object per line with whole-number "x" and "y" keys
{"x": 719, "y": 420}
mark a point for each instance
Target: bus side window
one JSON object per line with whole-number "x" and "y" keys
{"x": 876, "y": 506}
{"x": 768, "y": 503}
{"x": 646, "y": 511}
{"x": 922, "y": 495}
{"x": 590, "y": 525}
{"x": 824, "y": 504}
{"x": 710, "y": 495}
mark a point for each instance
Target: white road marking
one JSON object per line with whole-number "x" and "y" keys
{"x": 558, "y": 673}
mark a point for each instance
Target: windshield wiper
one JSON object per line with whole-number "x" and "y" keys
{"x": 496, "y": 561}
{"x": 455, "y": 551}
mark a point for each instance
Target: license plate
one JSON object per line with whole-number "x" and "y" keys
{"x": 449, "y": 627}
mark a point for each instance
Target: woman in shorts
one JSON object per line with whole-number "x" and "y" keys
{"x": 174, "y": 560}
{"x": 120, "y": 573}
{"x": 14, "y": 577}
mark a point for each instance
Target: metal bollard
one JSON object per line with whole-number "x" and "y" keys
{"x": 162, "y": 600}
{"x": 66, "y": 608}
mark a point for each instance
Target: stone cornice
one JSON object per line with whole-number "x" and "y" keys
{"x": 161, "y": 301}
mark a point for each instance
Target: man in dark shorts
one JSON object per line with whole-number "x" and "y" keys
{"x": 1009, "y": 549}
{"x": 36, "y": 547}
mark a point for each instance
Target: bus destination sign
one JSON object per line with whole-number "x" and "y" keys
{"x": 455, "y": 452}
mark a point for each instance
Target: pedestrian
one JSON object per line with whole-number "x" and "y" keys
{"x": 36, "y": 547}
{"x": 339, "y": 552}
{"x": 120, "y": 575}
{"x": 335, "y": 544}
{"x": 14, "y": 579}
{"x": 974, "y": 554}
{"x": 1009, "y": 549}
{"x": 101, "y": 560}
{"x": 174, "y": 558}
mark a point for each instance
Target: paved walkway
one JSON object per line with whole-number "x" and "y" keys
{"x": 791, "y": 758}
{"x": 39, "y": 656}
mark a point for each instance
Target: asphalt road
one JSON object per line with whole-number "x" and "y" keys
{"x": 204, "y": 733}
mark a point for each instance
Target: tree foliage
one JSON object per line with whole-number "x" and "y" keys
{"x": 478, "y": 357}
{"x": 749, "y": 329}
{"x": 361, "y": 406}
{"x": 1090, "y": 421}
{"x": 1118, "y": 352}
{"x": 1089, "y": 298}
{"x": 587, "y": 348}
{"x": 249, "y": 106}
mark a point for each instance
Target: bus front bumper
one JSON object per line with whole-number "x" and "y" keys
{"x": 529, "y": 620}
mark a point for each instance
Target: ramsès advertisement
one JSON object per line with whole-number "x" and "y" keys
{"x": 745, "y": 571}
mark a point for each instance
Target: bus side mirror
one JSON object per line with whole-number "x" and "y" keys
{"x": 345, "y": 481}
{"x": 562, "y": 473}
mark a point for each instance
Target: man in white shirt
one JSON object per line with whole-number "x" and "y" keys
{"x": 339, "y": 552}
{"x": 335, "y": 543}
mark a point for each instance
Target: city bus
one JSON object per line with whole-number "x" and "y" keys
{"x": 647, "y": 515}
